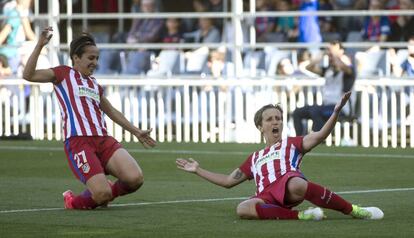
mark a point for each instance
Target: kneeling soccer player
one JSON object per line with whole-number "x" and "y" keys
{"x": 280, "y": 185}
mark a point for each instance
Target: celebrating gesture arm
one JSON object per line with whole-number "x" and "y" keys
{"x": 116, "y": 116}
{"x": 227, "y": 181}
{"x": 42, "y": 75}
{"x": 315, "y": 138}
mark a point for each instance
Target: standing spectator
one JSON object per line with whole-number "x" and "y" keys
{"x": 339, "y": 76}
{"x": 403, "y": 28}
{"x": 376, "y": 28}
{"x": 309, "y": 31}
{"x": 191, "y": 24}
{"x": 143, "y": 31}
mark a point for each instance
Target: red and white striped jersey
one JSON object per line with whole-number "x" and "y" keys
{"x": 269, "y": 164}
{"x": 79, "y": 101}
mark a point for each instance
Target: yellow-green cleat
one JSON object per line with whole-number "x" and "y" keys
{"x": 373, "y": 213}
{"x": 311, "y": 213}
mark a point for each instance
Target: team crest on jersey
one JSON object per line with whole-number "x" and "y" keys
{"x": 86, "y": 168}
{"x": 88, "y": 92}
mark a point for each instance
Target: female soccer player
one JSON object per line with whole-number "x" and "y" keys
{"x": 279, "y": 183}
{"x": 91, "y": 153}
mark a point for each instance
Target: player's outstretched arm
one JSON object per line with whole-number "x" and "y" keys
{"x": 315, "y": 138}
{"x": 43, "y": 75}
{"x": 227, "y": 181}
{"x": 119, "y": 118}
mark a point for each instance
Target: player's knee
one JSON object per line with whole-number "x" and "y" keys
{"x": 134, "y": 181}
{"x": 102, "y": 195}
{"x": 297, "y": 188}
{"x": 245, "y": 212}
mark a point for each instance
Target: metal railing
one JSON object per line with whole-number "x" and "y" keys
{"x": 208, "y": 110}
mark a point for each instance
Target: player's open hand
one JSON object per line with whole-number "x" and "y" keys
{"x": 45, "y": 36}
{"x": 189, "y": 165}
{"x": 145, "y": 138}
{"x": 344, "y": 100}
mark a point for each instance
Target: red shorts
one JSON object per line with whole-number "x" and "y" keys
{"x": 275, "y": 192}
{"x": 88, "y": 155}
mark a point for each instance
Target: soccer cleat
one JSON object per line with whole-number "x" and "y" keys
{"x": 373, "y": 213}
{"x": 67, "y": 199}
{"x": 311, "y": 213}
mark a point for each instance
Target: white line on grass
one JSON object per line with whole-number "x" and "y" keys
{"x": 198, "y": 200}
{"x": 201, "y": 152}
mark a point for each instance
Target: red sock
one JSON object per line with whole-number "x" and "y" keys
{"x": 83, "y": 202}
{"x": 119, "y": 189}
{"x": 322, "y": 197}
{"x": 269, "y": 211}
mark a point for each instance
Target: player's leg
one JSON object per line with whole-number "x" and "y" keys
{"x": 124, "y": 167}
{"x": 87, "y": 168}
{"x": 298, "y": 189}
{"x": 256, "y": 208}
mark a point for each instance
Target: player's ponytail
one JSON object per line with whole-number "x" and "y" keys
{"x": 77, "y": 46}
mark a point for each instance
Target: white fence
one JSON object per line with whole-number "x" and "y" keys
{"x": 204, "y": 110}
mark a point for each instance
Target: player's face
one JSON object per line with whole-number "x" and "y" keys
{"x": 87, "y": 63}
{"x": 272, "y": 125}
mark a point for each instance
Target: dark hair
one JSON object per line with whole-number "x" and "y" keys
{"x": 4, "y": 61}
{"x": 77, "y": 46}
{"x": 258, "y": 116}
{"x": 337, "y": 42}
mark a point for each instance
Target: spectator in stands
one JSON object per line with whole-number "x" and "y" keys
{"x": 347, "y": 24}
{"x": 309, "y": 30}
{"x": 376, "y": 28}
{"x": 403, "y": 27}
{"x": 340, "y": 77}
{"x": 207, "y": 33}
{"x": 143, "y": 31}
{"x": 264, "y": 25}
{"x": 191, "y": 24}
{"x": 216, "y": 6}
{"x": 172, "y": 31}
{"x": 15, "y": 31}
{"x": 407, "y": 66}
{"x": 287, "y": 25}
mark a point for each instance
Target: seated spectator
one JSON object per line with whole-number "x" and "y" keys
{"x": 216, "y": 6}
{"x": 207, "y": 33}
{"x": 143, "y": 31}
{"x": 347, "y": 24}
{"x": 376, "y": 28}
{"x": 264, "y": 25}
{"x": 286, "y": 25}
{"x": 172, "y": 32}
{"x": 403, "y": 27}
{"x": 191, "y": 24}
{"x": 340, "y": 77}
{"x": 407, "y": 66}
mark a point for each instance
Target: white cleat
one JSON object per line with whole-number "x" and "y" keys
{"x": 373, "y": 213}
{"x": 312, "y": 213}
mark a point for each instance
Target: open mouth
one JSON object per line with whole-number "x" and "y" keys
{"x": 275, "y": 130}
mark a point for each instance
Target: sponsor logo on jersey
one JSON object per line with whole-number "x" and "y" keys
{"x": 88, "y": 92}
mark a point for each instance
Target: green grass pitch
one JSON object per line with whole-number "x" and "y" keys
{"x": 173, "y": 203}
